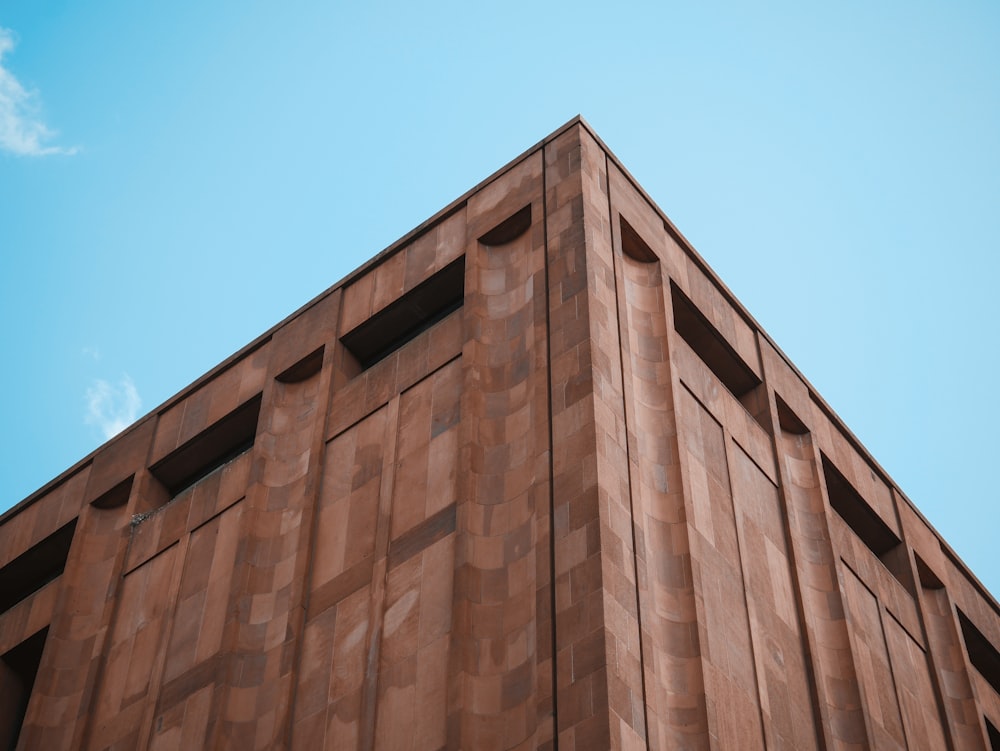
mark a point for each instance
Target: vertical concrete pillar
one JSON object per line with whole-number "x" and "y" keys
{"x": 944, "y": 640}
{"x": 598, "y": 667}
{"x": 500, "y": 690}
{"x": 267, "y": 610}
{"x": 60, "y": 702}
{"x": 673, "y": 670}
{"x": 839, "y": 693}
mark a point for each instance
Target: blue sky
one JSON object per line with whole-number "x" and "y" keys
{"x": 176, "y": 178}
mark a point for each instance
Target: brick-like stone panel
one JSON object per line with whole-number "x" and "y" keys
{"x": 499, "y": 682}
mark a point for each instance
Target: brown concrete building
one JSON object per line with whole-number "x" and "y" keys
{"x": 530, "y": 478}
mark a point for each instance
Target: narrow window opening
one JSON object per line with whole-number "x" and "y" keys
{"x": 862, "y": 519}
{"x": 633, "y": 245}
{"x": 928, "y": 579}
{"x": 994, "y": 735}
{"x": 18, "y": 670}
{"x": 35, "y": 567}
{"x": 788, "y": 420}
{"x": 117, "y": 496}
{"x": 711, "y": 346}
{"x": 209, "y": 450}
{"x": 304, "y": 369}
{"x": 409, "y": 316}
{"x": 982, "y": 654}
{"x": 509, "y": 229}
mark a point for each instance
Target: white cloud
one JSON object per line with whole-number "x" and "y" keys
{"x": 112, "y": 408}
{"x": 22, "y": 131}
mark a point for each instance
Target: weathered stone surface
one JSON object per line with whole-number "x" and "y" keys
{"x": 592, "y": 506}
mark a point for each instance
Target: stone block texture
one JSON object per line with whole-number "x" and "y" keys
{"x": 531, "y": 478}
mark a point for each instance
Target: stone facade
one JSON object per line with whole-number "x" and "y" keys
{"x": 531, "y": 478}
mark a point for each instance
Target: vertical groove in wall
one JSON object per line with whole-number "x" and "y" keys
{"x": 691, "y": 666}
{"x": 922, "y": 617}
{"x": 893, "y": 680}
{"x": 849, "y": 724}
{"x": 376, "y": 611}
{"x": 552, "y": 499}
{"x": 796, "y": 561}
{"x": 623, "y": 349}
{"x": 328, "y": 371}
{"x": 88, "y": 702}
{"x": 169, "y": 617}
{"x": 727, "y": 438}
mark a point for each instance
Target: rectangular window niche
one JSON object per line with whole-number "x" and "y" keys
{"x": 18, "y": 670}
{"x": 206, "y": 452}
{"x": 863, "y": 521}
{"x": 409, "y": 316}
{"x": 35, "y": 567}
{"x": 982, "y": 654}
{"x": 713, "y": 349}
{"x": 994, "y": 735}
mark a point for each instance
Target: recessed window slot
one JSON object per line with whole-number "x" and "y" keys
{"x": 35, "y": 567}
{"x": 711, "y": 346}
{"x": 509, "y": 229}
{"x": 927, "y": 578}
{"x": 18, "y": 670}
{"x": 861, "y": 518}
{"x": 633, "y": 245}
{"x": 788, "y": 420}
{"x": 994, "y": 736}
{"x": 409, "y": 316}
{"x": 209, "y": 450}
{"x": 304, "y": 369}
{"x": 117, "y": 496}
{"x": 982, "y": 654}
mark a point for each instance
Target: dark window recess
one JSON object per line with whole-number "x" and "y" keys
{"x": 117, "y": 496}
{"x": 509, "y": 229}
{"x": 209, "y": 450}
{"x": 18, "y": 670}
{"x": 927, "y": 578}
{"x": 35, "y": 567}
{"x": 860, "y": 517}
{"x": 304, "y": 369}
{"x": 410, "y": 315}
{"x": 788, "y": 420}
{"x": 994, "y": 736}
{"x": 711, "y": 346}
{"x": 633, "y": 245}
{"x": 982, "y": 654}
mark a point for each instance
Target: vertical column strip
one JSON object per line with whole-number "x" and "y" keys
{"x": 383, "y": 524}
{"x": 156, "y": 674}
{"x": 741, "y": 546}
{"x": 552, "y": 497}
{"x": 624, "y": 349}
{"x": 311, "y": 509}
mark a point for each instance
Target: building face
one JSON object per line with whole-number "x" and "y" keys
{"x": 530, "y": 478}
